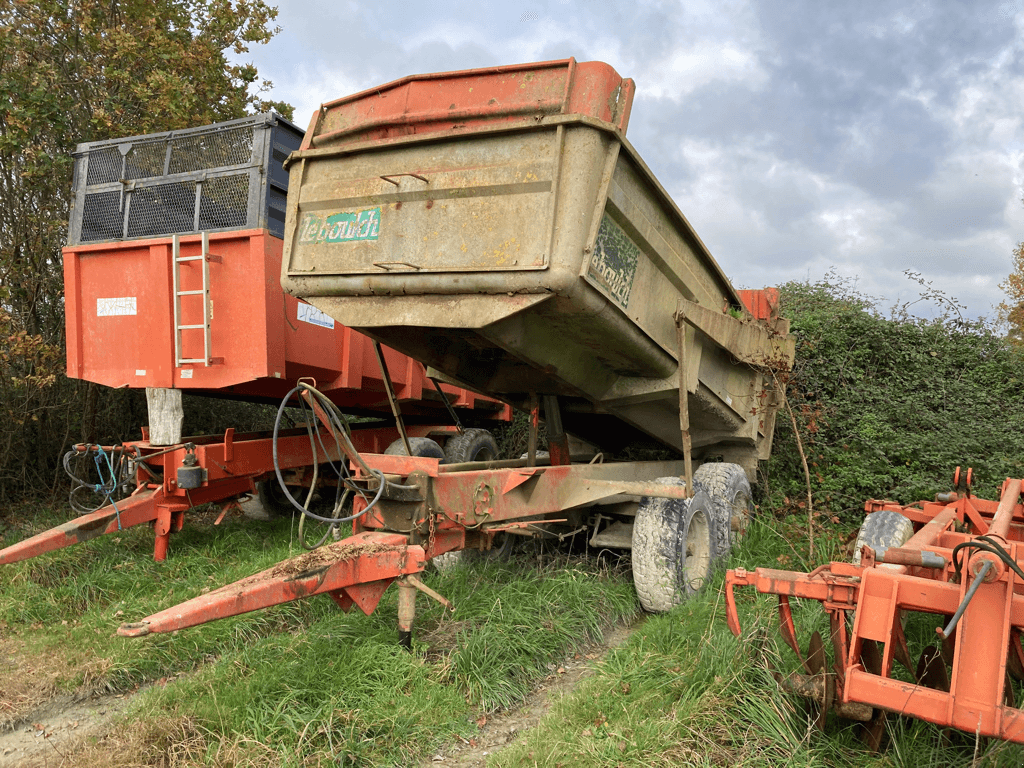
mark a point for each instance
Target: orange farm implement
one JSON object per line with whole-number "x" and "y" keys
{"x": 948, "y": 569}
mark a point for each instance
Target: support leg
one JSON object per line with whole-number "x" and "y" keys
{"x": 406, "y": 612}
{"x": 162, "y": 529}
{"x": 558, "y": 441}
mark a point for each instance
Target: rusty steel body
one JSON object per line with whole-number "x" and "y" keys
{"x": 984, "y": 651}
{"x": 231, "y": 464}
{"x": 497, "y": 225}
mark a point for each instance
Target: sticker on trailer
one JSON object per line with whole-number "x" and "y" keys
{"x": 613, "y": 265}
{"x": 124, "y": 305}
{"x": 341, "y": 227}
{"x": 309, "y": 314}
{"x": 186, "y": 373}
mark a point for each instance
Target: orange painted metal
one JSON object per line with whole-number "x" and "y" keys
{"x": 474, "y": 98}
{"x": 120, "y": 329}
{"x": 355, "y": 571}
{"x": 880, "y": 594}
{"x": 232, "y": 464}
{"x": 435, "y": 509}
{"x": 762, "y": 303}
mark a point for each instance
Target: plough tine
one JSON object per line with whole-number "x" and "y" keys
{"x": 363, "y": 559}
{"x": 931, "y": 669}
{"x": 789, "y": 630}
{"x": 136, "y": 509}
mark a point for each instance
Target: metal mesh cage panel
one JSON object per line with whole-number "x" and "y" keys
{"x": 215, "y": 177}
{"x": 212, "y": 150}
{"x": 104, "y": 166}
{"x": 144, "y": 161}
{"x": 162, "y": 209}
{"x": 101, "y": 217}
{"x": 224, "y": 202}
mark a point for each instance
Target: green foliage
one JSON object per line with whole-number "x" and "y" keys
{"x": 1011, "y": 312}
{"x": 74, "y": 71}
{"x": 888, "y": 406}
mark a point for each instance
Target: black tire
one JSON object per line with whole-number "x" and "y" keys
{"x": 274, "y": 502}
{"x": 673, "y": 544}
{"x": 502, "y": 548}
{"x": 421, "y": 446}
{"x": 471, "y": 445}
{"x": 882, "y": 529}
{"x": 731, "y": 504}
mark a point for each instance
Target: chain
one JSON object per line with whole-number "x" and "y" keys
{"x": 431, "y": 518}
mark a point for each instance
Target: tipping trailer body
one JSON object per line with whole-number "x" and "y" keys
{"x": 497, "y": 225}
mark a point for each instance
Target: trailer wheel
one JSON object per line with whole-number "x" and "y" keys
{"x": 882, "y": 529}
{"x": 421, "y": 446}
{"x": 672, "y": 548}
{"x": 274, "y": 502}
{"x": 471, "y": 445}
{"x": 729, "y": 491}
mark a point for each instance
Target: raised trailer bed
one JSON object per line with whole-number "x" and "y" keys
{"x": 948, "y": 570}
{"x": 172, "y": 271}
{"x": 497, "y": 225}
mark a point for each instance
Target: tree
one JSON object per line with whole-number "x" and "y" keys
{"x": 86, "y": 70}
{"x": 1012, "y": 312}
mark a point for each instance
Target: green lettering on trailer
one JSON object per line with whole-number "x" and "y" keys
{"x": 340, "y": 227}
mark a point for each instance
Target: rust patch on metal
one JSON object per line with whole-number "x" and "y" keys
{"x": 318, "y": 561}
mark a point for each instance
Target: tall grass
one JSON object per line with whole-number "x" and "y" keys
{"x": 304, "y": 683}
{"x": 684, "y": 691}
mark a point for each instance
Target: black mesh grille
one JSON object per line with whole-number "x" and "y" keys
{"x": 144, "y": 161}
{"x": 224, "y": 202}
{"x": 101, "y": 215}
{"x": 167, "y": 176}
{"x": 162, "y": 209}
{"x": 104, "y": 166}
{"x": 212, "y": 150}
{"x": 277, "y": 203}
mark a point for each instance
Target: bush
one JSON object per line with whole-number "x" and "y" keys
{"x": 888, "y": 406}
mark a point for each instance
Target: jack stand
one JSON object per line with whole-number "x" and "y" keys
{"x": 406, "y": 612}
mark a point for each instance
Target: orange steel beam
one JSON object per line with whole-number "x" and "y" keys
{"x": 354, "y": 571}
{"x": 141, "y": 507}
{"x": 147, "y": 504}
{"x": 231, "y": 463}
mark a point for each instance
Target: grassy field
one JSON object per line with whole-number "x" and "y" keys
{"x": 307, "y": 685}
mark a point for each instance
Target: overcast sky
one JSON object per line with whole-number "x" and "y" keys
{"x": 796, "y": 136}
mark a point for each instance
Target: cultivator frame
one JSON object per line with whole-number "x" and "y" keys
{"x": 961, "y": 565}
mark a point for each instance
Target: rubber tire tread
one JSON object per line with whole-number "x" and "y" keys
{"x": 468, "y": 446}
{"x": 505, "y": 546}
{"x": 884, "y": 528}
{"x": 423, "y": 447}
{"x": 659, "y": 529}
{"x": 723, "y": 483}
{"x": 274, "y": 502}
